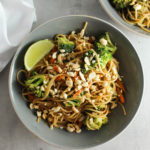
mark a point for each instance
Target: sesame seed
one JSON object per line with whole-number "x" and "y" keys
{"x": 54, "y": 55}
{"x": 87, "y": 61}
{"x": 65, "y": 96}
{"x": 69, "y": 82}
{"x": 59, "y": 69}
{"x": 39, "y": 113}
{"x": 85, "y": 84}
{"x": 137, "y": 7}
{"x": 75, "y": 109}
{"x": 105, "y": 84}
{"x": 82, "y": 76}
{"x": 31, "y": 106}
{"x": 93, "y": 101}
{"x": 93, "y": 61}
{"x": 55, "y": 90}
{"x": 103, "y": 41}
{"x": 71, "y": 74}
{"x": 78, "y": 69}
{"x": 79, "y": 87}
{"x": 92, "y": 75}
{"x": 62, "y": 50}
{"x": 42, "y": 88}
{"x": 78, "y": 81}
{"x": 78, "y": 131}
{"x": 49, "y": 67}
{"x": 56, "y": 109}
{"x": 86, "y": 89}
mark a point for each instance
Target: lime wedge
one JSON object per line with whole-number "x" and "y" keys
{"x": 36, "y": 52}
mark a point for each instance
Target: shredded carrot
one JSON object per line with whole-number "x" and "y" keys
{"x": 63, "y": 66}
{"x": 89, "y": 82}
{"x": 91, "y": 40}
{"x": 100, "y": 76}
{"x": 77, "y": 94}
{"x": 60, "y": 78}
{"x": 80, "y": 124}
{"x": 120, "y": 95}
{"x": 54, "y": 49}
{"x": 52, "y": 60}
{"x": 31, "y": 97}
{"x": 121, "y": 85}
{"x": 122, "y": 99}
{"x": 56, "y": 68}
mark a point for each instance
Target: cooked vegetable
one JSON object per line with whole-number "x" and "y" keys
{"x": 35, "y": 81}
{"x": 121, "y": 85}
{"x": 95, "y": 123}
{"x": 65, "y": 44}
{"x": 104, "y": 58}
{"x": 35, "y": 84}
{"x": 77, "y": 94}
{"x": 100, "y": 47}
{"x": 120, "y": 95}
{"x": 92, "y": 60}
{"x": 73, "y": 102}
{"x": 105, "y": 48}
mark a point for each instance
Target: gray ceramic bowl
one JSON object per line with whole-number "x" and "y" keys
{"x": 111, "y": 11}
{"x": 130, "y": 68}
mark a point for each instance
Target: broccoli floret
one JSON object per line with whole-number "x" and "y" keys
{"x": 35, "y": 81}
{"x": 34, "y": 84}
{"x": 119, "y": 4}
{"x": 104, "y": 54}
{"x": 104, "y": 58}
{"x": 84, "y": 67}
{"x": 64, "y": 43}
{"x": 38, "y": 92}
{"x": 95, "y": 123}
{"x": 83, "y": 93}
{"x": 105, "y": 120}
{"x": 106, "y": 50}
{"x": 88, "y": 54}
{"x": 99, "y": 47}
{"x": 100, "y": 107}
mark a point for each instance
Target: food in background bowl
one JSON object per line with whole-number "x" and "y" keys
{"x": 76, "y": 84}
{"x": 136, "y": 12}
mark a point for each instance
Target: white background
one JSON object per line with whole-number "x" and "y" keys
{"x": 13, "y": 134}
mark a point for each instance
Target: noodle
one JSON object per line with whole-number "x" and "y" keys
{"x": 137, "y": 13}
{"x": 64, "y": 95}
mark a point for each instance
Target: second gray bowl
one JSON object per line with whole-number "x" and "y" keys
{"x": 112, "y": 12}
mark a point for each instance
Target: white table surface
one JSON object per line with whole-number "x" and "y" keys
{"x": 13, "y": 134}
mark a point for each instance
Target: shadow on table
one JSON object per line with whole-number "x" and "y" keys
{"x": 13, "y": 134}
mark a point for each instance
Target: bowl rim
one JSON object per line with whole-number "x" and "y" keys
{"x": 122, "y": 25}
{"x": 11, "y": 72}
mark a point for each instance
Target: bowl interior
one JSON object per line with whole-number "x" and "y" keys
{"x": 130, "y": 68}
{"x": 111, "y": 11}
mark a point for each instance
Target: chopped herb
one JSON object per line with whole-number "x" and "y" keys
{"x": 73, "y": 102}
{"x": 33, "y": 73}
{"x": 98, "y": 108}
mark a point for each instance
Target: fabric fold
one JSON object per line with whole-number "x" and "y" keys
{"x": 16, "y": 21}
